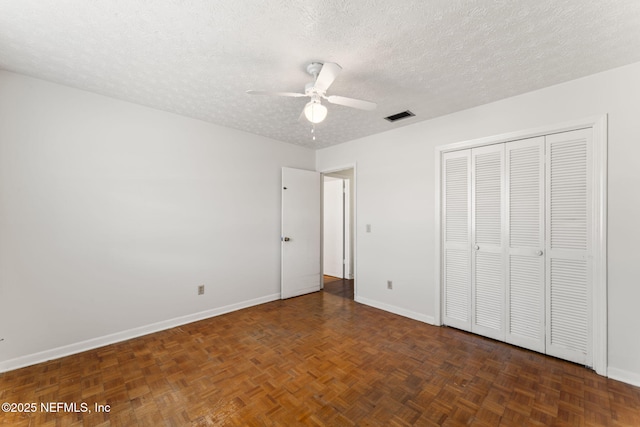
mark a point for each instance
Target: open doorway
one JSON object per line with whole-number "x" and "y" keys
{"x": 338, "y": 232}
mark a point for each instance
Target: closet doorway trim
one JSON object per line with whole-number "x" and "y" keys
{"x": 598, "y": 211}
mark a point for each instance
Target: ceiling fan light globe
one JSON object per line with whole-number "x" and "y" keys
{"x": 315, "y": 112}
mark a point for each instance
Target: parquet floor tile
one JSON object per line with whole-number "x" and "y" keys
{"x": 317, "y": 360}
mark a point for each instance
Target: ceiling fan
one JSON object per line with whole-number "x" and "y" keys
{"x": 323, "y": 77}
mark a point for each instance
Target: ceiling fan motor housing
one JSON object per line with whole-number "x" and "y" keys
{"x": 311, "y": 90}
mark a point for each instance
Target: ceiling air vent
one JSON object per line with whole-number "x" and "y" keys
{"x": 399, "y": 116}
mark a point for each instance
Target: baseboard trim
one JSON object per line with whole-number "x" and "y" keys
{"x": 624, "y": 376}
{"x": 396, "y": 310}
{"x": 90, "y": 344}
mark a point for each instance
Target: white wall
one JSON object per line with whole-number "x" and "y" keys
{"x": 395, "y": 180}
{"x": 111, "y": 215}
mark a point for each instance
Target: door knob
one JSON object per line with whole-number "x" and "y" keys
{"x": 286, "y": 239}
{"x": 539, "y": 253}
{"x": 476, "y": 247}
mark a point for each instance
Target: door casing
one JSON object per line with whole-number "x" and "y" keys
{"x": 597, "y": 210}
{"x": 352, "y": 241}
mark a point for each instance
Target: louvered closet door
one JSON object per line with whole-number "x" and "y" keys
{"x": 525, "y": 291}
{"x": 487, "y": 259}
{"x": 456, "y": 206}
{"x": 568, "y": 245}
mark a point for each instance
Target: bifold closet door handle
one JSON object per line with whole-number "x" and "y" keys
{"x": 476, "y": 247}
{"x": 539, "y": 253}
{"x": 286, "y": 239}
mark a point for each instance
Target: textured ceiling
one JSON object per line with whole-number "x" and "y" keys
{"x": 197, "y": 58}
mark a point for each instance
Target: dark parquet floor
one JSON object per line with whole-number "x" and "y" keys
{"x": 317, "y": 360}
{"x": 339, "y": 287}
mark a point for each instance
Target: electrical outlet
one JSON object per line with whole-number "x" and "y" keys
{"x": 201, "y": 290}
{"x": 389, "y": 284}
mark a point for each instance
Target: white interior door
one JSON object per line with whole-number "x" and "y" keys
{"x": 333, "y": 244}
{"x": 568, "y": 245}
{"x": 456, "y": 206}
{"x": 348, "y": 256}
{"x": 525, "y": 244}
{"x": 522, "y": 246}
{"x": 300, "y": 239}
{"x": 487, "y": 260}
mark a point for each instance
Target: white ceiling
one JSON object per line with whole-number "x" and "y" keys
{"x": 197, "y": 58}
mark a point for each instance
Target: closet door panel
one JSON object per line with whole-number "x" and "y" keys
{"x": 568, "y": 240}
{"x": 487, "y": 214}
{"x": 457, "y": 277}
{"x": 488, "y": 307}
{"x": 525, "y": 290}
{"x": 456, "y": 205}
{"x": 526, "y": 303}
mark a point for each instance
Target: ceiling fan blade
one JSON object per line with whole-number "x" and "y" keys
{"x": 351, "y": 102}
{"x": 328, "y": 74}
{"x": 266, "y": 92}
